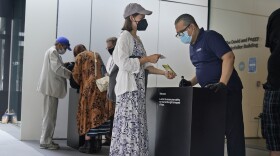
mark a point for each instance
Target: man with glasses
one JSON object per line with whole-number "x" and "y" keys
{"x": 214, "y": 63}
{"x": 52, "y": 85}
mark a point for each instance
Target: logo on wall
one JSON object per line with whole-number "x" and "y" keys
{"x": 252, "y": 68}
{"x": 241, "y": 66}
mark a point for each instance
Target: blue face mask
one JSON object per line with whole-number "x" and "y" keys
{"x": 186, "y": 38}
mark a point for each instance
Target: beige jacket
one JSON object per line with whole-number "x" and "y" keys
{"x": 53, "y": 75}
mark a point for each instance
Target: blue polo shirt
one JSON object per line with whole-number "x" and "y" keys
{"x": 205, "y": 55}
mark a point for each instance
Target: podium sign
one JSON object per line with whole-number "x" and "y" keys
{"x": 186, "y": 121}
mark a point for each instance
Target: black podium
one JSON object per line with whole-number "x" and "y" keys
{"x": 186, "y": 121}
{"x": 73, "y": 138}
{"x": 181, "y": 121}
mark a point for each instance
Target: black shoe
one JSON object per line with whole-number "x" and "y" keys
{"x": 96, "y": 144}
{"x": 87, "y": 147}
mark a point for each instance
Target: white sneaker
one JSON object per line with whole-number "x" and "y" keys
{"x": 51, "y": 146}
{"x": 54, "y": 143}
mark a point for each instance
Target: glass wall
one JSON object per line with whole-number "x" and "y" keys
{"x": 12, "y": 16}
{"x": 2, "y": 48}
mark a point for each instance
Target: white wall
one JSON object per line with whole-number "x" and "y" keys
{"x": 74, "y": 23}
{"x": 195, "y": 2}
{"x": 256, "y": 7}
{"x": 40, "y": 31}
{"x": 241, "y": 19}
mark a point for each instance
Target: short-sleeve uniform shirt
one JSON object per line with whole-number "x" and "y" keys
{"x": 205, "y": 55}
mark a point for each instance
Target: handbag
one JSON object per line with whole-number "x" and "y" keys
{"x": 102, "y": 83}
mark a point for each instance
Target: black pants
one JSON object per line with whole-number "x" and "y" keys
{"x": 111, "y": 125}
{"x": 234, "y": 124}
{"x": 109, "y": 135}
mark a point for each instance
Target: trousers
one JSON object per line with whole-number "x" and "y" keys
{"x": 49, "y": 119}
{"x": 234, "y": 124}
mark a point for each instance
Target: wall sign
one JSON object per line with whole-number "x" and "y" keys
{"x": 252, "y": 67}
{"x": 242, "y": 43}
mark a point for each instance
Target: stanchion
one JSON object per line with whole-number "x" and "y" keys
{"x": 9, "y": 116}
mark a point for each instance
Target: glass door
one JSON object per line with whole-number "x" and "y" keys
{"x": 12, "y": 17}
{"x": 16, "y": 61}
{"x": 2, "y": 49}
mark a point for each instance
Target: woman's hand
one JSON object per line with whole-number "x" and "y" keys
{"x": 154, "y": 58}
{"x": 169, "y": 75}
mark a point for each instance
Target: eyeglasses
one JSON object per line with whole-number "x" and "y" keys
{"x": 181, "y": 33}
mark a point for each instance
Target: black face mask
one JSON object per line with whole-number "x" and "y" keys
{"x": 111, "y": 50}
{"x": 142, "y": 25}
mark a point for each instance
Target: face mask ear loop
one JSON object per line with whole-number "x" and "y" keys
{"x": 192, "y": 33}
{"x": 135, "y": 21}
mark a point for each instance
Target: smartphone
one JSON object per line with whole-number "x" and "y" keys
{"x": 168, "y": 68}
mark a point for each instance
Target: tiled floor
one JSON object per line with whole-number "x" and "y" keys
{"x": 254, "y": 147}
{"x": 256, "y": 144}
{"x": 11, "y": 146}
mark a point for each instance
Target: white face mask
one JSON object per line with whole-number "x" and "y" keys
{"x": 186, "y": 38}
{"x": 61, "y": 51}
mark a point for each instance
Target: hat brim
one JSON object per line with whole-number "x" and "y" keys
{"x": 68, "y": 48}
{"x": 145, "y": 12}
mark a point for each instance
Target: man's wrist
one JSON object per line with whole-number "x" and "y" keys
{"x": 223, "y": 83}
{"x": 192, "y": 82}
